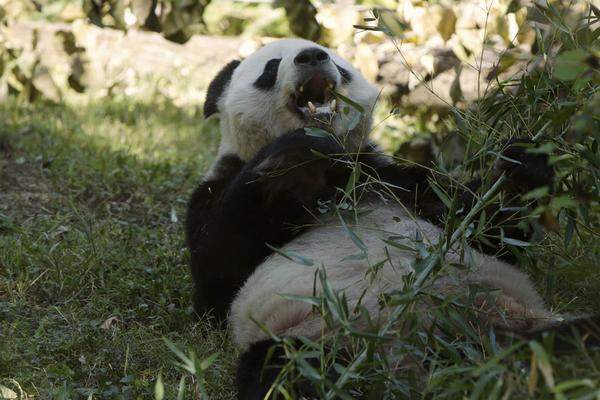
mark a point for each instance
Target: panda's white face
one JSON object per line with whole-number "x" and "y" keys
{"x": 288, "y": 85}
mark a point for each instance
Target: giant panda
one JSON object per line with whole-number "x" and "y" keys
{"x": 258, "y": 214}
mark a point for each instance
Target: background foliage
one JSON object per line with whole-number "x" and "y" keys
{"x": 100, "y": 147}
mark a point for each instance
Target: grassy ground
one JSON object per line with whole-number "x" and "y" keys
{"x": 93, "y": 270}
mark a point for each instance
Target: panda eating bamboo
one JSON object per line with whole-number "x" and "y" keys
{"x": 259, "y": 236}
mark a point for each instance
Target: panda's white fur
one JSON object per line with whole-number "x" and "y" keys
{"x": 251, "y": 118}
{"x": 260, "y": 299}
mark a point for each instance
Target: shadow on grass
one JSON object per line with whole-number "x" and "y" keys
{"x": 93, "y": 267}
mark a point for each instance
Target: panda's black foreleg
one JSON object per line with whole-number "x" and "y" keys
{"x": 266, "y": 202}
{"x": 524, "y": 172}
{"x": 227, "y": 240}
{"x": 202, "y": 214}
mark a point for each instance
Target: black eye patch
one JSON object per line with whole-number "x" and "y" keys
{"x": 346, "y": 75}
{"x": 269, "y": 76}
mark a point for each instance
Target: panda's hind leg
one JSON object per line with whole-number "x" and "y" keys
{"x": 257, "y": 370}
{"x": 259, "y": 367}
{"x": 571, "y": 335}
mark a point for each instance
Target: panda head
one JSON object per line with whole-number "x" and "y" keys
{"x": 288, "y": 85}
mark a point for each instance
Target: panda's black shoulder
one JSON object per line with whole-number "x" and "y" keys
{"x": 208, "y": 192}
{"x": 225, "y": 169}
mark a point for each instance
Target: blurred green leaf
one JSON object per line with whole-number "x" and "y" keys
{"x": 562, "y": 201}
{"x": 515, "y": 242}
{"x": 570, "y": 64}
{"x": 208, "y": 361}
{"x": 447, "y": 24}
{"x": 543, "y": 363}
{"x": 301, "y": 15}
{"x": 159, "y": 388}
{"x": 536, "y": 193}
{"x": 391, "y": 23}
{"x": 317, "y": 132}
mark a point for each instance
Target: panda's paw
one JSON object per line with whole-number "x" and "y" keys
{"x": 302, "y": 181}
{"x": 524, "y": 167}
{"x": 300, "y": 166}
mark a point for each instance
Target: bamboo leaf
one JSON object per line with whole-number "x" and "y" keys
{"x": 292, "y": 256}
{"x": 543, "y": 363}
{"x": 570, "y": 64}
{"x": 355, "y": 239}
{"x": 515, "y": 242}
{"x": 159, "y": 388}
{"x": 317, "y": 132}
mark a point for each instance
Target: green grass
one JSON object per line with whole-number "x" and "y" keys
{"x": 93, "y": 267}
{"x": 91, "y": 207}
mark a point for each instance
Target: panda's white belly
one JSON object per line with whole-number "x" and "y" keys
{"x": 329, "y": 245}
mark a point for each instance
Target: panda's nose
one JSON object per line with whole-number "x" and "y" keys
{"x": 311, "y": 56}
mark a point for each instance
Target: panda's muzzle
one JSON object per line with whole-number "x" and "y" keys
{"x": 313, "y": 96}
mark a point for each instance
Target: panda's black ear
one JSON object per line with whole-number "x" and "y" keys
{"x": 217, "y": 87}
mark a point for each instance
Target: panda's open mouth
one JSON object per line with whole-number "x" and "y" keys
{"x": 313, "y": 97}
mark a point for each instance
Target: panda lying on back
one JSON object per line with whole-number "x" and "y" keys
{"x": 264, "y": 191}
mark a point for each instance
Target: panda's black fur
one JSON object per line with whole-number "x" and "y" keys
{"x": 231, "y": 220}
{"x": 217, "y": 86}
{"x": 269, "y": 76}
{"x": 247, "y": 207}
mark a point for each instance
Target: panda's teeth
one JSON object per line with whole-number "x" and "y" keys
{"x": 311, "y": 107}
{"x": 333, "y": 105}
